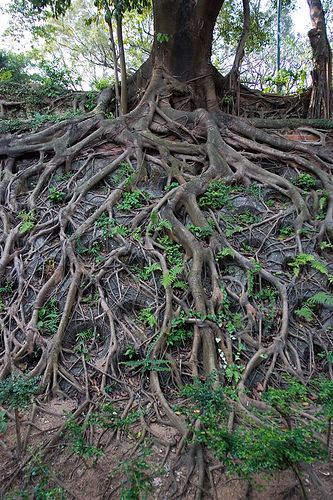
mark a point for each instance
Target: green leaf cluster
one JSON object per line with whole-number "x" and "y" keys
{"x": 216, "y": 196}
{"x": 109, "y": 227}
{"x": 83, "y": 342}
{"x": 306, "y": 310}
{"x": 17, "y": 391}
{"x": 55, "y": 195}
{"x": 303, "y": 259}
{"x": 137, "y": 474}
{"x": 132, "y": 200}
{"x": 75, "y": 433}
{"x": 201, "y": 232}
{"x": 49, "y": 317}
{"x": 147, "y": 316}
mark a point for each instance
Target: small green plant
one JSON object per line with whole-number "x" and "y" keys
{"x": 35, "y": 122}
{"x": 56, "y": 196}
{"x": 250, "y": 450}
{"x": 286, "y": 232}
{"x": 319, "y": 299}
{"x": 325, "y": 399}
{"x": 178, "y": 333}
{"x": 232, "y": 229}
{"x": 17, "y": 393}
{"x": 173, "y": 250}
{"x": 205, "y": 400}
{"x": 132, "y": 200}
{"x": 90, "y": 102}
{"x": 83, "y": 342}
{"x": 304, "y": 312}
{"x": 136, "y": 235}
{"x": 138, "y": 482}
{"x": 148, "y": 363}
{"x": 200, "y": 232}
{"x": 266, "y": 299}
{"x": 284, "y": 400}
{"x": 28, "y": 219}
{"x": 157, "y": 224}
{"x": 146, "y": 273}
{"x": 254, "y": 190}
{"x": 95, "y": 251}
{"x": 247, "y": 218}
{"x": 172, "y": 185}
{"x": 64, "y": 177}
{"x": 124, "y": 171}
{"x": 267, "y": 294}
{"x": 286, "y": 81}
{"x": 216, "y": 196}
{"x": 233, "y": 373}
{"x": 162, "y": 37}
{"x": 100, "y": 84}
{"x": 49, "y": 317}
{"x": 3, "y": 422}
{"x": 8, "y": 287}
{"x": 76, "y": 433}
{"x": 248, "y": 249}
{"x": 109, "y": 227}
{"x": 130, "y": 353}
{"x": 45, "y": 488}
{"x": 271, "y": 448}
{"x": 251, "y": 275}
{"x": 303, "y": 259}
{"x": 306, "y": 181}
{"x": 323, "y": 201}
{"x": 174, "y": 258}
{"x": 147, "y": 316}
{"x": 107, "y": 417}
{"x": 171, "y": 278}
{"x": 327, "y": 355}
{"x": 325, "y": 245}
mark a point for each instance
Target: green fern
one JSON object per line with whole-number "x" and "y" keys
{"x": 304, "y": 259}
{"x": 320, "y": 267}
{"x": 321, "y": 298}
{"x": 146, "y": 273}
{"x": 171, "y": 276}
{"x": 304, "y": 312}
{"x": 158, "y": 225}
{"x": 147, "y": 316}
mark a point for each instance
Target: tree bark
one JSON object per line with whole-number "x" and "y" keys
{"x": 320, "y": 102}
{"x": 183, "y": 44}
{"x": 108, "y": 20}
{"x": 234, "y": 75}
{"x": 123, "y": 94}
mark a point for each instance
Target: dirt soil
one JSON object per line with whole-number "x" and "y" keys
{"x": 64, "y": 474}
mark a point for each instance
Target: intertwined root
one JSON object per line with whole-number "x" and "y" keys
{"x": 161, "y": 246}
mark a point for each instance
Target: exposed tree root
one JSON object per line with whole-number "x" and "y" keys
{"x": 93, "y": 273}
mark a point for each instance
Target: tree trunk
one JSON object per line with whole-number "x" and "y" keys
{"x": 123, "y": 95}
{"x": 108, "y": 20}
{"x": 320, "y": 103}
{"x": 182, "y": 45}
{"x": 234, "y": 75}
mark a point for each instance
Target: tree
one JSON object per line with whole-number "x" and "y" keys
{"x": 17, "y": 393}
{"x": 321, "y": 96}
{"x": 174, "y": 227}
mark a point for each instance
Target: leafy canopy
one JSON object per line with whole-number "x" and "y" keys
{"x": 59, "y": 7}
